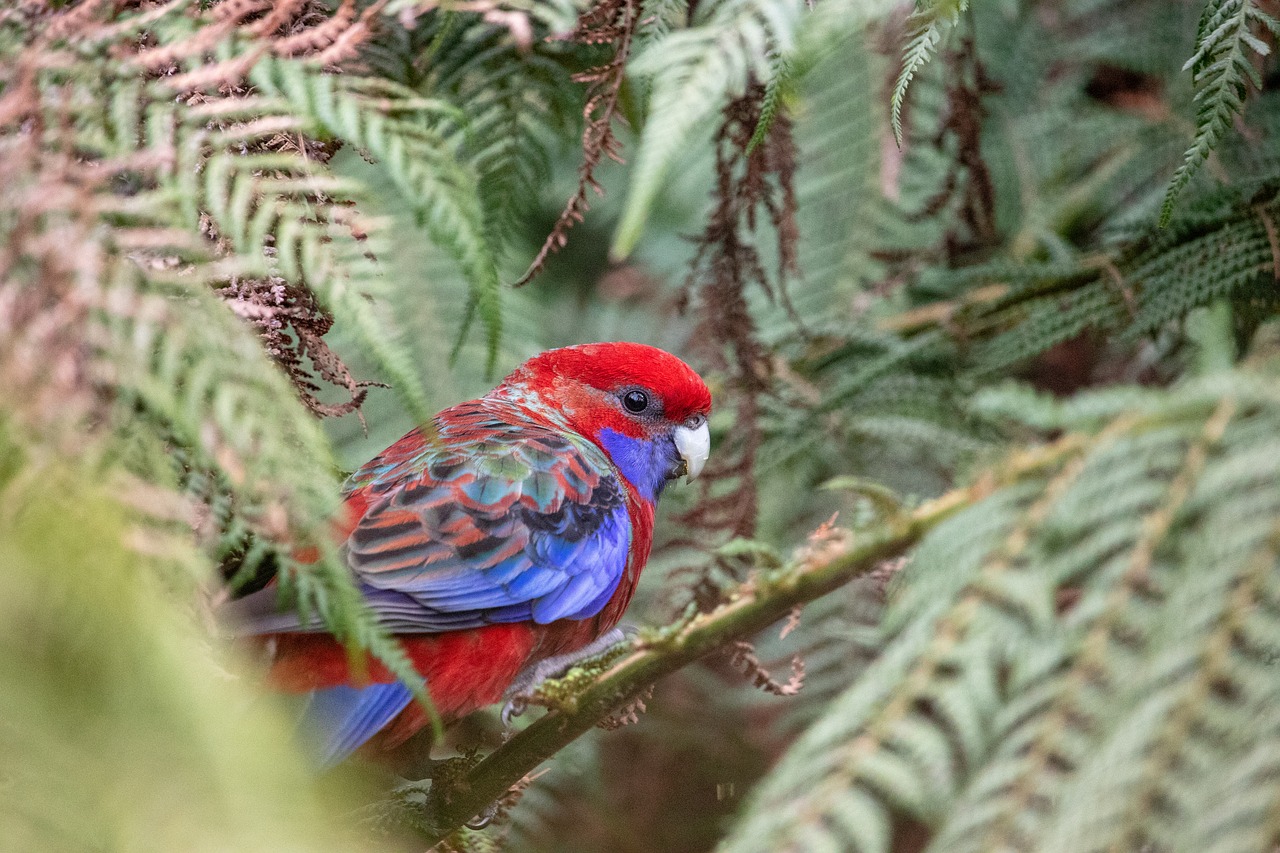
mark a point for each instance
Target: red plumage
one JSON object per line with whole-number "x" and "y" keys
{"x": 604, "y": 367}
{"x": 523, "y": 518}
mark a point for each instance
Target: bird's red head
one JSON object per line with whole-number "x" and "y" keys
{"x": 635, "y": 401}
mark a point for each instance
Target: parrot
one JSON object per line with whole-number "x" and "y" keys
{"x": 498, "y": 545}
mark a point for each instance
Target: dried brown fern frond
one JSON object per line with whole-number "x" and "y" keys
{"x": 292, "y": 326}
{"x": 308, "y": 29}
{"x": 123, "y": 209}
{"x": 629, "y": 713}
{"x": 752, "y": 183}
{"x": 31, "y": 103}
{"x": 742, "y": 657}
{"x": 46, "y": 292}
{"x": 614, "y": 23}
{"x": 968, "y": 182}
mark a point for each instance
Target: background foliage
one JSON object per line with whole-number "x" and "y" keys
{"x": 910, "y": 246}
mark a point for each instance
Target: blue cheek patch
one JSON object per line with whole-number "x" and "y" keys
{"x": 645, "y": 463}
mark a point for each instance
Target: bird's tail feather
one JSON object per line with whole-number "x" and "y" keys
{"x": 339, "y": 719}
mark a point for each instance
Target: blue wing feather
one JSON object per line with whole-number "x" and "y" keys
{"x": 499, "y": 521}
{"x": 494, "y": 520}
{"x": 339, "y": 719}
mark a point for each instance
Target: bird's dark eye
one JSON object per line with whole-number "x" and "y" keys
{"x": 635, "y": 401}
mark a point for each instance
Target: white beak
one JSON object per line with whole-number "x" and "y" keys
{"x": 693, "y": 441}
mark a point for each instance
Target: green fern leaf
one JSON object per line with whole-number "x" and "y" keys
{"x": 403, "y": 132}
{"x": 1221, "y": 69}
{"x": 693, "y": 73}
{"x": 928, "y": 25}
{"x": 1001, "y": 718}
{"x": 779, "y": 76}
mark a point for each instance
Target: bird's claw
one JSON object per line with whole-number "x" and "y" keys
{"x": 527, "y": 682}
{"x": 485, "y": 817}
{"x": 512, "y": 708}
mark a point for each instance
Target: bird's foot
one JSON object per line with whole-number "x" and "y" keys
{"x": 522, "y": 690}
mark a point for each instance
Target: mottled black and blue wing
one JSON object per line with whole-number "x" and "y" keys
{"x": 494, "y": 519}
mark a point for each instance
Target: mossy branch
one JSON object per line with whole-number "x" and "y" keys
{"x": 757, "y": 604}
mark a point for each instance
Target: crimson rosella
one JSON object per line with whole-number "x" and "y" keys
{"x": 506, "y": 537}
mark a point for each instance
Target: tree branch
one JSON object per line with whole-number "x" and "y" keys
{"x": 758, "y": 603}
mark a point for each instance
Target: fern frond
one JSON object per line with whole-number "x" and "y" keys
{"x": 402, "y": 132}
{"x": 514, "y": 103}
{"x": 661, "y": 17}
{"x": 692, "y": 74}
{"x": 838, "y": 123}
{"x": 105, "y": 566}
{"x": 928, "y": 25}
{"x": 1221, "y": 246}
{"x": 205, "y": 384}
{"x": 167, "y": 201}
{"x": 779, "y": 77}
{"x": 1062, "y": 657}
{"x": 1221, "y": 70}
